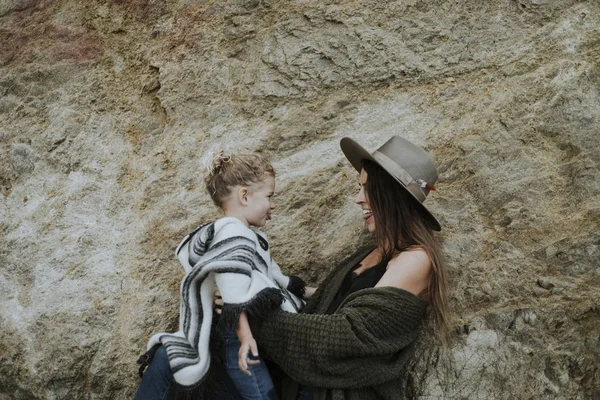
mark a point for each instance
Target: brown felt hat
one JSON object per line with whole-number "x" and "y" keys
{"x": 406, "y": 162}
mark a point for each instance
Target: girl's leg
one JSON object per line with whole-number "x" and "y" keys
{"x": 259, "y": 386}
{"x": 305, "y": 393}
{"x": 157, "y": 379}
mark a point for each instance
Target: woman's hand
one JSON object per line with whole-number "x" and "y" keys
{"x": 309, "y": 291}
{"x": 248, "y": 344}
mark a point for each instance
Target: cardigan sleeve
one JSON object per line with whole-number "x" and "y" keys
{"x": 361, "y": 345}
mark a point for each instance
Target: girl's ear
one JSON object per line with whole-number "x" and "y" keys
{"x": 242, "y": 195}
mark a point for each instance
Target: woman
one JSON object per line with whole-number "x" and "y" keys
{"x": 355, "y": 337}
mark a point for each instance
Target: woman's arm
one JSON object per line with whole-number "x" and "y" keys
{"x": 358, "y": 346}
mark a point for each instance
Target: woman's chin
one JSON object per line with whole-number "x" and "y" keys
{"x": 371, "y": 228}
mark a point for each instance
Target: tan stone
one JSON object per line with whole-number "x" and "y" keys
{"x": 107, "y": 111}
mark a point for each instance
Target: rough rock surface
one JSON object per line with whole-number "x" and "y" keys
{"x": 108, "y": 108}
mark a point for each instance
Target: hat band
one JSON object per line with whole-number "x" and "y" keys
{"x": 399, "y": 174}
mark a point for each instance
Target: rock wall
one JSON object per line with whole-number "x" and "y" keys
{"x": 108, "y": 108}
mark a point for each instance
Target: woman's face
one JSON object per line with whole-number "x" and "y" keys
{"x": 362, "y": 200}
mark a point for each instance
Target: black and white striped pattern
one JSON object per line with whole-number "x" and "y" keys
{"x": 228, "y": 256}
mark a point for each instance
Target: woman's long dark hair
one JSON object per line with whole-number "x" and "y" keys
{"x": 401, "y": 224}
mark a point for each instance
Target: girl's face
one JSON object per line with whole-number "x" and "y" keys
{"x": 363, "y": 200}
{"x": 259, "y": 205}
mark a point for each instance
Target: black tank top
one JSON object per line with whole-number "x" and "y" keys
{"x": 353, "y": 283}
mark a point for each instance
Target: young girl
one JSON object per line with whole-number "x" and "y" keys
{"x": 228, "y": 256}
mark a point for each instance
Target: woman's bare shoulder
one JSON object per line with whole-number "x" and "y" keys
{"x": 408, "y": 270}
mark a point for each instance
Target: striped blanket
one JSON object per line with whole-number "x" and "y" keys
{"x": 224, "y": 255}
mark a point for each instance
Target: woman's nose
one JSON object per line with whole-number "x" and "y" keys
{"x": 360, "y": 198}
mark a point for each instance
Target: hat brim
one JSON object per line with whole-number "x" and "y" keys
{"x": 355, "y": 153}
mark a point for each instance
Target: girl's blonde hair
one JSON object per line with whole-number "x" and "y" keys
{"x": 228, "y": 170}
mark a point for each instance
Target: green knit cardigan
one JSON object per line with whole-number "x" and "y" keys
{"x": 360, "y": 352}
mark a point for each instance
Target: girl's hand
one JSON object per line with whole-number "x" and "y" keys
{"x": 248, "y": 344}
{"x": 218, "y": 303}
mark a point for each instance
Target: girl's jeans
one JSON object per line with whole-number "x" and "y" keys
{"x": 158, "y": 381}
{"x": 259, "y": 386}
{"x": 305, "y": 393}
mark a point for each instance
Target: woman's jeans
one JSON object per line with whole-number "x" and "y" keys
{"x": 259, "y": 386}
